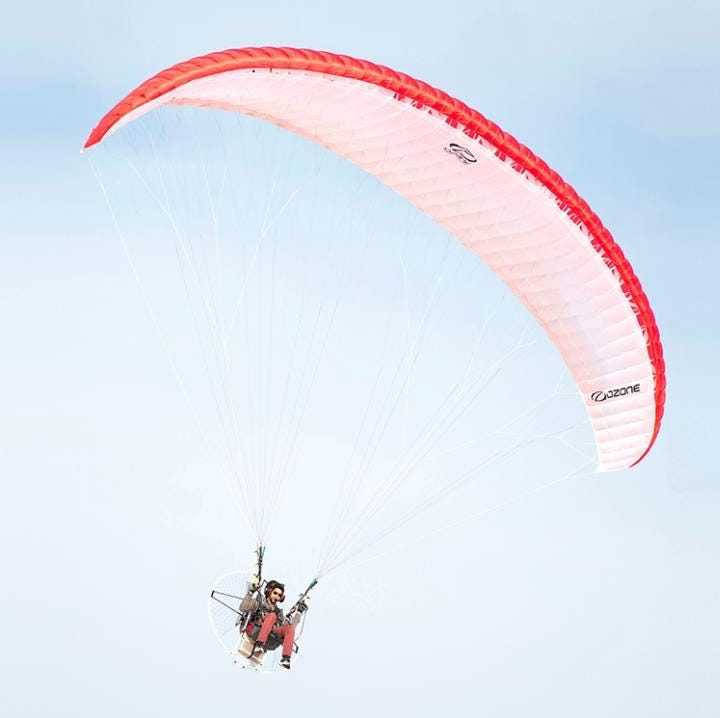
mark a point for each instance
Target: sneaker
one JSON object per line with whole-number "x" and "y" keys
{"x": 259, "y": 647}
{"x": 285, "y": 662}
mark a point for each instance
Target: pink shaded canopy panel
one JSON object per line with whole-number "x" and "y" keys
{"x": 485, "y": 188}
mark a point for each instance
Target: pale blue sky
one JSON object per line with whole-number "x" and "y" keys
{"x": 599, "y": 597}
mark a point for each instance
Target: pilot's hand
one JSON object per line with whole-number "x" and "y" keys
{"x": 304, "y": 605}
{"x": 254, "y": 582}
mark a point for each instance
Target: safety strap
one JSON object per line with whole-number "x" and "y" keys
{"x": 260, "y": 551}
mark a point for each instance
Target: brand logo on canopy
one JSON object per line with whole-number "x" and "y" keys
{"x": 462, "y": 153}
{"x": 599, "y": 396}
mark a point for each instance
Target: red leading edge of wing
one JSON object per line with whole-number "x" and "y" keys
{"x": 458, "y": 114}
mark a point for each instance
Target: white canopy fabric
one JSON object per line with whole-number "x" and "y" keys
{"x": 489, "y": 191}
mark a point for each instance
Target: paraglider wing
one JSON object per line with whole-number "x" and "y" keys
{"x": 489, "y": 191}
